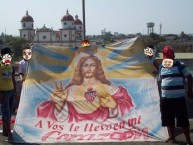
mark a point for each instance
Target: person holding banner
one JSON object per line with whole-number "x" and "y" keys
{"x": 173, "y": 103}
{"x": 23, "y": 67}
{"x": 89, "y": 96}
{"x": 7, "y": 88}
{"x": 23, "y": 64}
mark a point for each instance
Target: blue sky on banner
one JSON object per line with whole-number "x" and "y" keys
{"x": 123, "y": 16}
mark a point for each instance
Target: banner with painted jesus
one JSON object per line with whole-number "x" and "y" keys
{"x": 89, "y": 94}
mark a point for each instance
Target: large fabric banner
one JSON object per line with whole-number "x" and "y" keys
{"x": 89, "y": 94}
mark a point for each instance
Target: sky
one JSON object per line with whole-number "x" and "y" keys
{"x": 122, "y": 16}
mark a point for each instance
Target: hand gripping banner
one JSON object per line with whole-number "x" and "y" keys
{"x": 89, "y": 94}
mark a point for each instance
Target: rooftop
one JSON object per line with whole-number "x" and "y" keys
{"x": 180, "y": 55}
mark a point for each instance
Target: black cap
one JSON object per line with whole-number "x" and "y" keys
{"x": 151, "y": 46}
{"x": 5, "y": 50}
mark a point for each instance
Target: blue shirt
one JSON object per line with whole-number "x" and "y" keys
{"x": 23, "y": 67}
{"x": 172, "y": 81}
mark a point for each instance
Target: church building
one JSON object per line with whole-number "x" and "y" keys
{"x": 70, "y": 33}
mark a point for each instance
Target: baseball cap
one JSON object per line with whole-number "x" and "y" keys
{"x": 168, "y": 52}
{"x": 5, "y": 50}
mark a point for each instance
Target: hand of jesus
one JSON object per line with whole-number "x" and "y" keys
{"x": 58, "y": 96}
{"x": 105, "y": 99}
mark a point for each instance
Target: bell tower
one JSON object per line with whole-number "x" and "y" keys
{"x": 27, "y": 30}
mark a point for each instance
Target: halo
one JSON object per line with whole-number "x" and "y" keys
{"x": 83, "y": 54}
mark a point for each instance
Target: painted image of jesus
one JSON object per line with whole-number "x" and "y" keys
{"x": 88, "y": 96}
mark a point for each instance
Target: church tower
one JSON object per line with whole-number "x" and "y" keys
{"x": 67, "y": 30}
{"x": 79, "y": 28}
{"x": 27, "y": 30}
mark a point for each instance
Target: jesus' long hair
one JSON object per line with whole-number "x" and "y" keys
{"x": 78, "y": 78}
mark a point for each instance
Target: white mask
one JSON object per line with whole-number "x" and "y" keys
{"x": 27, "y": 54}
{"x": 167, "y": 62}
{"x": 148, "y": 51}
{"x": 6, "y": 58}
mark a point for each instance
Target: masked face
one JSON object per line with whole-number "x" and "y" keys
{"x": 27, "y": 54}
{"x": 167, "y": 63}
{"x": 6, "y": 59}
{"x": 148, "y": 51}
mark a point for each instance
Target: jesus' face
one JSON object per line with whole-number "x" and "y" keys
{"x": 88, "y": 69}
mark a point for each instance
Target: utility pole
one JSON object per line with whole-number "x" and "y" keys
{"x": 160, "y": 27}
{"x": 83, "y": 14}
{"x": 5, "y": 38}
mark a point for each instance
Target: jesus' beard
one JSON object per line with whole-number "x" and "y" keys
{"x": 88, "y": 75}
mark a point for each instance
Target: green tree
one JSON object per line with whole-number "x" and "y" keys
{"x": 16, "y": 44}
{"x": 153, "y": 39}
{"x": 184, "y": 37}
{"x": 108, "y": 38}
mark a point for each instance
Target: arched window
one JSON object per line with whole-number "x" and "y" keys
{"x": 80, "y": 27}
{"x": 44, "y": 37}
{"x": 23, "y": 24}
{"x": 64, "y": 23}
{"x": 65, "y": 35}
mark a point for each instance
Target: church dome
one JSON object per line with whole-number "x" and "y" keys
{"x": 67, "y": 17}
{"x": 77, "y": 21}
{"x": 27, "y": 18}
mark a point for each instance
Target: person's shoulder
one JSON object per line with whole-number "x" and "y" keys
{"x": 180, "y": 64}
{"x": 22, "y": 62}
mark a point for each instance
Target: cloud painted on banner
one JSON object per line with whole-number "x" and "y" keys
{"x": 119, "y": 50}
{"x": 48, "y": 67}
{"x": 139, "y": 59}
{"x": 52, "y": 54}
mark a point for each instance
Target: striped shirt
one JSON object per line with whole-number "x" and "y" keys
{"x": 172, "y": 81}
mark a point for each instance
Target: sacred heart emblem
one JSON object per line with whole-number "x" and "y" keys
{"x": 90, "y": 95}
